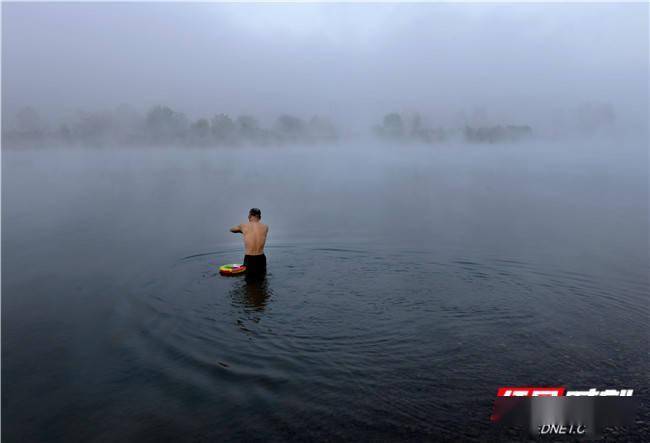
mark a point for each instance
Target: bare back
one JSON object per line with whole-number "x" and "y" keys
{"x": 254, "y": 237}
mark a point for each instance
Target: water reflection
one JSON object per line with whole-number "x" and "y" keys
{"x": 251, "y": 297}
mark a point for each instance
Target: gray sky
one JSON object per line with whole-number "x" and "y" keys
{"x": 341, "y": 60}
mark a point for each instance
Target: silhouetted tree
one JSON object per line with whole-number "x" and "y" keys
{"x": 393, "y": 126}
{"x": 290, "y": 127}
{"x": 223, "y": 129}
{"x": 248, "y": 127}
{"x": 165, "y": 125}
{"x": 200, "y": 131}
{"x": 494, "y": 134}
{"x": 94, "y": 127}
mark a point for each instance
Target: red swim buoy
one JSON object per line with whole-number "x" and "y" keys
{"x": 232, "y": 269}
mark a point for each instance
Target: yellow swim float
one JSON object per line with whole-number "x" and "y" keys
{"x": 232, "y": 269}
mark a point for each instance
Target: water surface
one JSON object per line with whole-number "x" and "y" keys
{"x": 405, "y": 285}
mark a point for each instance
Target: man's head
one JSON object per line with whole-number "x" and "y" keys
{"x": 254, "y": 213}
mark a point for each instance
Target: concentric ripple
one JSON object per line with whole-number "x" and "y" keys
{"x": 379, "y": 340}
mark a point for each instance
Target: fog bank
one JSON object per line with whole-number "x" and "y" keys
{"x": 556, "y": 68}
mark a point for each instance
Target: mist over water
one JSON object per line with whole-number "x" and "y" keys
{"x": 399, "y": 277}
{"x": 457, "y": 198}
{"x": 558, "y": 69}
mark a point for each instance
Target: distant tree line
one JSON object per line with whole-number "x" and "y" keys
{"x": 162, "y": 125}
{"x": 496, "y": 134}
{"x": 398, "y": 127}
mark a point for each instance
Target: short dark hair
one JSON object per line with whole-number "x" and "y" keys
{"x": 255, "y": 212}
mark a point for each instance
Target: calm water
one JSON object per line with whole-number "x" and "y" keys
{"x": 405, "y": 285}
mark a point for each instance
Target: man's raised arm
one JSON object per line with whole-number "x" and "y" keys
{"x": 236, "y": 229}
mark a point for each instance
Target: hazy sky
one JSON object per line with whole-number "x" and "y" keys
{"x": 336, "y": 59}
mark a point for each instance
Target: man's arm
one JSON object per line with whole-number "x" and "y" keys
{"x": 236, "y": 229}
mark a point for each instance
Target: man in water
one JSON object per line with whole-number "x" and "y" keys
{"x": 254, "y": 238}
